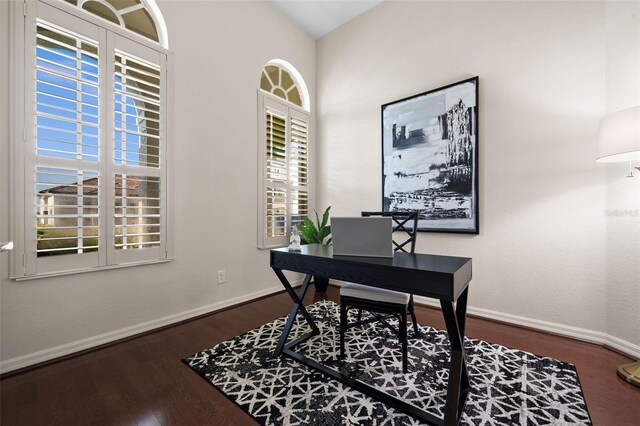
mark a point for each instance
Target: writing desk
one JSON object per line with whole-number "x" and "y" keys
{"x": 442, "y": 277}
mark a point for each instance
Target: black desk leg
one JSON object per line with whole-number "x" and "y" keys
{"x": 461, "y": 316}
{"x": 297, "y": 306}
{"x": 458, "y": 385}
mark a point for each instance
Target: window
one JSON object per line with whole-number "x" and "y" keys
{"x": 277, "y": 81}
{"x": 283, "y": 156}
{"x": 94, "y": 151}
{"x": 139, "y": 16}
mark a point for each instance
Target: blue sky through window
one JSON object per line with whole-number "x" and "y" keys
{"x": 68, "y": 102}
{"x": 67, "y": 96}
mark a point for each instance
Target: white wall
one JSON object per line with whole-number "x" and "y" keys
{"x": 220, "y": 49}
{"x": 623, "y": 194}
{"x": 540, "y": 255}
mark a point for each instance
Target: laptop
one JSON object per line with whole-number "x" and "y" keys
{"x": 362, "y": 236}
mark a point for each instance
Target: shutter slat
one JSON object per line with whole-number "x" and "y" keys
{"x": 299, "y": 154}
{"x": 137, "y": 112}
{"x": 67, "y": 219}
{"x": 276, "y": 151}
{"x": 67, "y": 84}
{"x": 275, "y": 208}
{"x": 137, "y": 212}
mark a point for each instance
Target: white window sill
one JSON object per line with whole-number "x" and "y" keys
{"x": 274, "y": 246}
{"x": 85, "y": 270}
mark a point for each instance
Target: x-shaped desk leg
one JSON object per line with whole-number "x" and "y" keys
{"x": 297, "y": 306}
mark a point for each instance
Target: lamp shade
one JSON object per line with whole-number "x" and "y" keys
{"x": 619, "y": 136}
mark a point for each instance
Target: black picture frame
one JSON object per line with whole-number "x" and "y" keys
{"x": 430, "y": 157}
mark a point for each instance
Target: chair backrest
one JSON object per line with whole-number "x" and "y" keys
{"x": 402, "y": 221}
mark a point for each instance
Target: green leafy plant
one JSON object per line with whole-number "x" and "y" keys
{"x": 315, "y": 233}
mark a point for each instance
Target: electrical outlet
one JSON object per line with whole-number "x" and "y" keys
{"x": 222, "y": 276}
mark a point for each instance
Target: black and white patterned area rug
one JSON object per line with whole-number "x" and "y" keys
{"x": 508, "y": 386}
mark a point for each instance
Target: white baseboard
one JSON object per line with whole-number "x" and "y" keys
{"x": 623, "y": 346}
{"x": 583, "y": 334}
{"x": 91, "y": 342}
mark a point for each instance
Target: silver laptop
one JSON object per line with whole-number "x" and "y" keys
{"x": 362, "y": 236}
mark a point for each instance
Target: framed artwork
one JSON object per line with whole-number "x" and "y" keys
{"x": 430, "y": 157}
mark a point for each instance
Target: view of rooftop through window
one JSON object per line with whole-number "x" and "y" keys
{"x": 68, "y": 121}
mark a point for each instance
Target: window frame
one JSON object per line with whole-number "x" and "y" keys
{"x": 291, "y": 110}
{"x": 24, "y": 262}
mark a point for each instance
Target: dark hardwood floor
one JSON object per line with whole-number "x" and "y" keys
{"x": 142, "y": 381}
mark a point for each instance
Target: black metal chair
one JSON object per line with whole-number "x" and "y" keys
{"x": 383, "y": 304}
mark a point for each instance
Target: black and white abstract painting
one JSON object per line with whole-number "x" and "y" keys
{"x": 430, "y": 157}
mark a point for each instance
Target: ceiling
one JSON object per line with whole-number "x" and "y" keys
{"x": 319, "y": 17}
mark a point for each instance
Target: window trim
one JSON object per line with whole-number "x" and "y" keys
{"x": 21, "y": 165}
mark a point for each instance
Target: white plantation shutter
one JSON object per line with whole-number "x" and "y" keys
{"x": 67, "y": 211}
{"x": 62, "y": 229}
{"x": 67, "y": 94}
{"x": 137, "y": 212}
{"x": 138, "y": 183}
{"x": 284, "y": 156}
{"x": 95, "y": 167}
{"x": 299, "y": 167}
{"x": 137, "y": 111}
{"x": 275, "y": 172}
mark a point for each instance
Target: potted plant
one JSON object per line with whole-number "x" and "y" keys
{"x": 316, "y": 233}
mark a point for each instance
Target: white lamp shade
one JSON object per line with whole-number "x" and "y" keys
{"x": 619, "y": 136}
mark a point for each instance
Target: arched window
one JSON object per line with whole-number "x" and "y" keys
{"x": 277, "y": 81}
{"x": 283, "y": 154}
{"x": 281, "y": 79}
{"x": 140, "y": 16}
{"x": 95, "y": 145}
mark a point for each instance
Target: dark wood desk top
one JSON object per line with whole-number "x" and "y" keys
{"x": 442, "y": 277}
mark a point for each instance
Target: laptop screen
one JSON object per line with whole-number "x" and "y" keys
{"x": 362, "y": 236}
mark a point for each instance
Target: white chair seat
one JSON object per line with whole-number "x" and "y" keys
{"x": 372, "y": 293}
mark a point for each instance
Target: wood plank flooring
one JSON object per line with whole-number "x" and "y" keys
{"x": 142, "y": 381}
